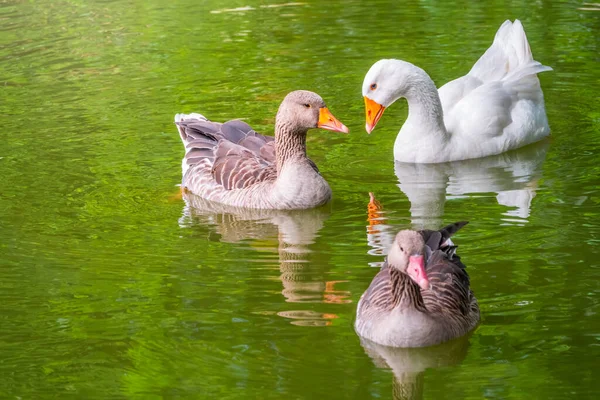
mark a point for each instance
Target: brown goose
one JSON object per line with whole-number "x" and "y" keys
{"x": 232, "y": 164}
{"x": 421, "y": 296}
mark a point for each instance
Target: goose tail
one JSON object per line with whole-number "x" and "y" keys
{"x": 509, "y": 58}
{"x": 180, "y": 123}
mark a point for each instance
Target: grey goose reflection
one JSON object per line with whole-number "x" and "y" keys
{"x": 231, "y": 164}
{"x": 421, "y": 296}
{"x": 409, "y": 364}
{"x": 283, "y": 237}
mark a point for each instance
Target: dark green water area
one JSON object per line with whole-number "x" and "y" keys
{"x": 113, "y": 287}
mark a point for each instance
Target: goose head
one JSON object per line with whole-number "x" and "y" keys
{"x": 302, "y": 110}
{"x": 386, "y": 82}
{"x": 408, "y": 255}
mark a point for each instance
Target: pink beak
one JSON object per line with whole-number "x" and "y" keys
{"x": 416, "y": 270}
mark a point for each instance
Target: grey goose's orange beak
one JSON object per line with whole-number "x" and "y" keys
{"x": 373, "y": 111}
{"x": 329, "y": 122}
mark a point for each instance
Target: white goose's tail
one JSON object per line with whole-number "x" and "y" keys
{"x": 509, "y": 58}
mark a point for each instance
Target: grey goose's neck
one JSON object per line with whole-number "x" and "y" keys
{"x": 290, "y": 143}
{"x": 405, "y": 292}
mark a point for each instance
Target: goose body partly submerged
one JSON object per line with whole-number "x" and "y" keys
{"x": 230, "y": 163}
{"x": 496, "y": 107}
{"x": 421, "y": 296}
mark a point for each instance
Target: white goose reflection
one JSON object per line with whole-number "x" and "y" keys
{"x": 512, "y": 176}
{"x": 408, "y": 364}
{"x": 294, "y": 231}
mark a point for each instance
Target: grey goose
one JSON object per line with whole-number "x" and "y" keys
{"x": 230, "y": 163}
{"x": 421, "y": 296}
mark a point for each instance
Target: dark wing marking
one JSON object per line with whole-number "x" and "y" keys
{"x": 450, "y": 286}
{"x": 437, "y": 239}
{"x": 314, "y": 166}
{"x": 192, "y": 129}
{"x": 450, "y": 291}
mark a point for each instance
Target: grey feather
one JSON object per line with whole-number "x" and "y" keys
{"x": 235, "y": 131}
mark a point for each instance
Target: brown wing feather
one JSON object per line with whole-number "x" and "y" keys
{"x": 450, "y": 284}
{"x": 240, "y": 157}
{"x": 450, "y": 290}
{"x": 380, "y": 294}
{"x": 236, "y": 167}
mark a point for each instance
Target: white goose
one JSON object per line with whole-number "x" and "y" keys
{"x": 496, "y": 107}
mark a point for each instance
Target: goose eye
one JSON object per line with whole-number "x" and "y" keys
{"x": 401, "y": 249}
{"x": 307, "y": 105}
{"x": 373, "y": 86}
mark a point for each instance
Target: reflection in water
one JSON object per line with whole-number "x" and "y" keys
{"x": 379, "y": 233}
{"x": 409, "y": 364}
{"x": 512, "y": 176}
{"x": 295, "y": 231}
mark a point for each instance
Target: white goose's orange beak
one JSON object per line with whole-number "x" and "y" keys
{"x": 329, "y": 122}
{"x": 373, "y": 111}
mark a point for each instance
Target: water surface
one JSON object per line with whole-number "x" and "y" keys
{"x": 112, "y": 286}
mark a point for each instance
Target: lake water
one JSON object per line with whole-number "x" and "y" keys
{"x": 113, "y": 286}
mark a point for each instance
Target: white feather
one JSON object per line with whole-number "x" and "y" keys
{"x": 498, "y": 106}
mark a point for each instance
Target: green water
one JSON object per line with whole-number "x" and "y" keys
{"x": 113, "y": 287}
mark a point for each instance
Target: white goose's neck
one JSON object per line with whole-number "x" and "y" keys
{"x": 424, "y": 131}
{"x": 424, "y": 105}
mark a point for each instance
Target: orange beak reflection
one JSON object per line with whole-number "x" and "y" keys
{"x": 373, "y": 111}
{"x": 329, "y": 122}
